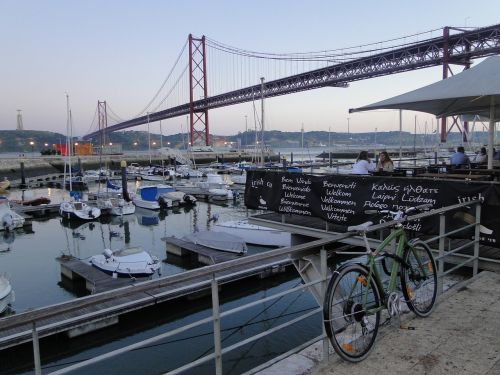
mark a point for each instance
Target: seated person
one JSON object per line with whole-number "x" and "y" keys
{"x": 482, "y": 156}
{"x": 459, "y": 158}
{"x": 385, "y": 163}
{"x": 363, "y": 164}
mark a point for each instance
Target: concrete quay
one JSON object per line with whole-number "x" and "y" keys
{"x": 462, "y": 336}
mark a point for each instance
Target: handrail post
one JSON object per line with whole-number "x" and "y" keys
{"x": 216, "y": 322}
{"x": 477, "y": 235}
{"x": 442, "y": 231}
{"x": 324, "y": 279}
{"x": 36, "y": 351}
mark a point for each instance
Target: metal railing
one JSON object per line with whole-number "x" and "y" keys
{"x": 214, "y": 279}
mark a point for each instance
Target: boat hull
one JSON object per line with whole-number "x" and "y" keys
{"x": 137, "y": 264}
{"x": 6, "y": 294}
{"x": 254, "y": 234}
{"x": 86, "y": 213}
{"x": 148, "y": 205}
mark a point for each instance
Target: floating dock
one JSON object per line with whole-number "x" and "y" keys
{"x": 97, "y": 311}
{"x": 198, "y": 253}
{"x": 95, "y": 280}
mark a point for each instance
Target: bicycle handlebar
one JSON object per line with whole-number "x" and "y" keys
{"x": 400, "y": 213}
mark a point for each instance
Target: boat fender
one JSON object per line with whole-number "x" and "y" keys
{"x": 8, "y": 221}
{"x": 108, "y": 253}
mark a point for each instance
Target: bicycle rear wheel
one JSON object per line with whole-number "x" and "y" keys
{"x": 352, "y": 331}
{"x": 419, "y": 281}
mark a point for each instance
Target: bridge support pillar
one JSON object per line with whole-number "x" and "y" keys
{"x": 446, "y": 69}
{"x": 198, "y": 117}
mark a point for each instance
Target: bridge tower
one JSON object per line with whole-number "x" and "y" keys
{"x": 198, "y": 119}
{"x": 447, "y": 69}
{"x": 102, "y": 116}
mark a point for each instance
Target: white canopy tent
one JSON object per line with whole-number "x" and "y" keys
{"x": 471, "y": 92}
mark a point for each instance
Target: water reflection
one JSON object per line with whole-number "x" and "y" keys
{"x": 147, "y": 217}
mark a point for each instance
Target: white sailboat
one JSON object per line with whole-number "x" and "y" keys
{"x": 74, "y": 209}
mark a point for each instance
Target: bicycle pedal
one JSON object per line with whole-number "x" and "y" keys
{"x": 408, "y": 328}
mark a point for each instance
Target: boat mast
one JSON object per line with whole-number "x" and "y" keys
{"x": 161, "y": 153}
{"x": 68, "y": 142}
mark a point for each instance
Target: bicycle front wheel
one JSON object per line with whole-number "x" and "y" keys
{"x": 419, "y": 280}
{"x": 349, "y": 323}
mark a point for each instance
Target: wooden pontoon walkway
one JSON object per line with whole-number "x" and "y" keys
{"x": 202, "y": 254}
{"x": 95, "y": 309}
{"x": 96, "y": 280}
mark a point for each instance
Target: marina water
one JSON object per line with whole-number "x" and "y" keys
{"x": 29, "y": 258}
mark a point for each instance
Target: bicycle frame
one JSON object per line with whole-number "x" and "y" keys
{"x": 400, "y": 236}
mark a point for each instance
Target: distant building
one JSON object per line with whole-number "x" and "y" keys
{"x": 111, "y": 149}
{"x": 83, "y": 148}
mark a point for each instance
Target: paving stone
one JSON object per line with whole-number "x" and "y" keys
{"x": 462, "y": 336}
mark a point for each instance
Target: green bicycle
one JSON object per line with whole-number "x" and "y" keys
{"x": 355, "y": 296}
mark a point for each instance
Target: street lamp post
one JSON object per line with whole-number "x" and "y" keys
{"x": 246, "y": 127}
{"x": 32, "y": 144}
{"x": 149, "y": 142}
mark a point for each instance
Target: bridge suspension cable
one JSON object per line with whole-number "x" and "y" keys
{"x": 232, "y": 73}
{"x": 181, "y": 54}
{"x": 340, "y": 54}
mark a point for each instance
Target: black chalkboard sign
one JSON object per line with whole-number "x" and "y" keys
{"x": 343, "y": 199}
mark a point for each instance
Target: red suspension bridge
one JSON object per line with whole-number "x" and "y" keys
{"x": 293, "y": 72}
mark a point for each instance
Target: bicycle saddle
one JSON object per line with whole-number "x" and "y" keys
{"x": 360, "y": 227}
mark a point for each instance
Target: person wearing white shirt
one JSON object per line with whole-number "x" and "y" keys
{"x": 482, "y": 156}
{"x": 363, "y": 164}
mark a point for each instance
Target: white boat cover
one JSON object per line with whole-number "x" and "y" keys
{"x": 218, "y": 241}
{"x": 5, "y": 287}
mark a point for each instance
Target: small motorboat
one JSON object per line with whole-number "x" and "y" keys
{"x": 175, "y": 198}
{"x": 6, "y": 293}
{"x": 131, "y": 262}
{"x": 79, "y": 211}
{"x": 254, "y": 234}
{"x": 218, "y": 241}
{"x": 120, "y": 206}
{"x": 146, "y": 197}
{"x": 9, "y": 220}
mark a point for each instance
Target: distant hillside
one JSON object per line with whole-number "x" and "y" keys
{"x": 28, "y": 140}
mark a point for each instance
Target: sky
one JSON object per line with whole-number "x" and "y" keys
{"x": 121, "y": 51}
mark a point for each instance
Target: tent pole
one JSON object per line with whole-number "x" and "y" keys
{"x": 491, "y": 133}
{"x": 400, "y": 136}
